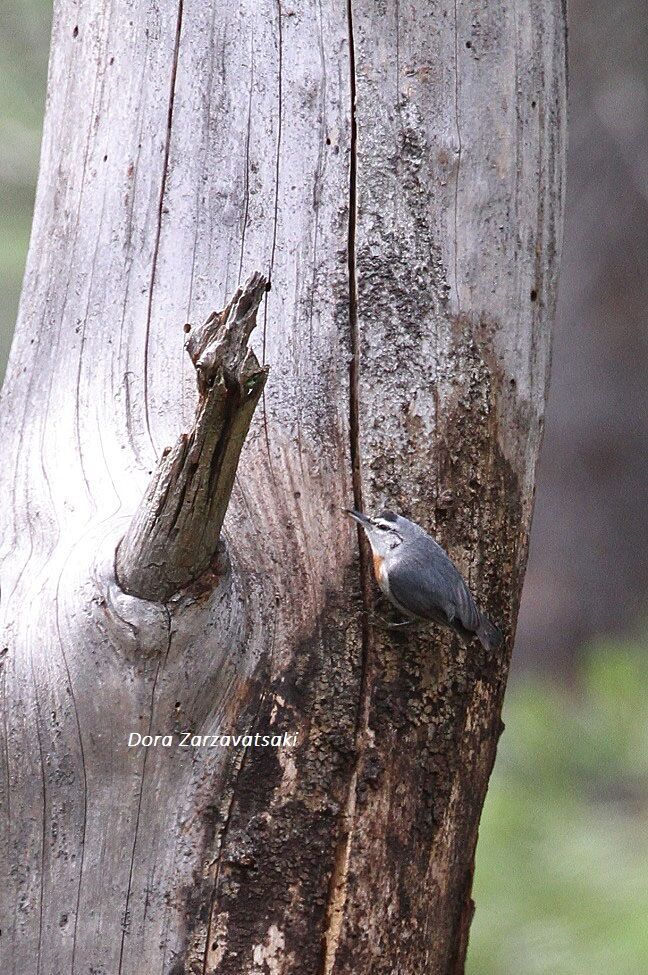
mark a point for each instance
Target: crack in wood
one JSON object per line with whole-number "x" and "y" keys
{"x": 163, "y": 186}
{"x": 337, "y": 891}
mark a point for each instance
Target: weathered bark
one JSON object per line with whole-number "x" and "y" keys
{"x": 396, "y": 169}
{"x": 174, "y": 536}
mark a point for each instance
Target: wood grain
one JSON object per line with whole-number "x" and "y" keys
{"x": 175, "y": 535}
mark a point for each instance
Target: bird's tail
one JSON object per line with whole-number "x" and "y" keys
{"x": 490, "y": 637}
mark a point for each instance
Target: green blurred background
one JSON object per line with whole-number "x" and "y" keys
{"x": 561, "y": 882}
{"x": 24, "y": 41}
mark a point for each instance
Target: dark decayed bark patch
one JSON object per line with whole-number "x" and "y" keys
{"x": 278, "y": 845}
{"x": 435, "y": 707}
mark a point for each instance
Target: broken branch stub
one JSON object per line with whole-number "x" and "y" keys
{"x": 175, "y": 531}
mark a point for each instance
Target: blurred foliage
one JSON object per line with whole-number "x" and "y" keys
{"x": 561, "y": 881}
{"x": 24, "y": 42}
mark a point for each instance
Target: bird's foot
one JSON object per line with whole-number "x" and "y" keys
{"x": 384, "y": 624}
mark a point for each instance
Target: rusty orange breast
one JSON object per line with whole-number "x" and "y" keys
{"x": 378, "y": 567}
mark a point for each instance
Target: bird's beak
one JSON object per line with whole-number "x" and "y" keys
{"x": 359, "y": 517}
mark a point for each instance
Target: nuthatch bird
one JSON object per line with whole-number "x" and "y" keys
{"x": 420, "y": 579}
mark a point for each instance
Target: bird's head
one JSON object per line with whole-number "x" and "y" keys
{"x": 385, "y": 531}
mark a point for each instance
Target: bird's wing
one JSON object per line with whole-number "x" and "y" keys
{"x": 433, "y": 588}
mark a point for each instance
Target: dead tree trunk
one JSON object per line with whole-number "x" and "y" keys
{"x": 396, "y": 169}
